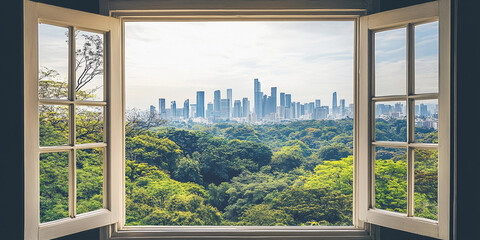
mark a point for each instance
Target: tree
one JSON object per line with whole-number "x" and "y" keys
{"x": 188, "y": 169}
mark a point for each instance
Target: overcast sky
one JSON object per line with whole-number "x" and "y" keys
{"x": 310, "y": 60}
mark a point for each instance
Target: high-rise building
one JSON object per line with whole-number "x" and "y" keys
{"x": 257, "y": 98}
{"x": 264, "y": 105}
{"x": 193, "y": 110}
{"x": 173, "y": 107}
{"x": 288, "y": 100}
{"x": 246, "y": 107}
{"x": 225, "y": 108}
{"x": 153, "y": 111}
{"x": 423, "y": 110}
{"x": 186, "y": 109}
{"x": 282, "y": 99}
{"x": 334, "y": 104}
{"x": 216, "y": 101}
{"x": 201, "y": 104}
{"x": 237, "y": 109}
{"x": 318, "y": 103}
{"x": 299, "y": 109}
{"x": 293, "y": 110}
{"x": 273, "y": 100}
{"x": 342, "y": 107}
{"x": 162, "y": 110}
{"x": 229, "y": 97}
{"x": 209, "y": 113}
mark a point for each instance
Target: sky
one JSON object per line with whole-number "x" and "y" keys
{"x": 308, "y": 59}
{"x": 174, "y": 60}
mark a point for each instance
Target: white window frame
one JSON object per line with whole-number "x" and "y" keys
{"x": 362, "y": 213}
{"x": 406, "y": 17}
{"x": 35, "y": 13}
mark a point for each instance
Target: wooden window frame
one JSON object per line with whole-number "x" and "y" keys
{"x": 408, "y": 18}
{"x": 35, "y": 13}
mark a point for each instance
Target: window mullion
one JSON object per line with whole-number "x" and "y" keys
{"x": 410, "y": 117}
{"x": 72, "y": 193}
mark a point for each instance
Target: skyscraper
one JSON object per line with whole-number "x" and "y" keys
{"x": 225, "y": 108}
{"x": 288, "y": 100}
{"x": 162, "y": 111}
{"x": 334, "y": 104}
{"x": 318, "y": 103}
{"x": 186, "y": 109}
{"x": 257, "y": 98}
{"x": 153, "y": 111}
{"x": 282, "y": 99}
{"x": 229, "y": 97}
{"x": 173, "y": 108}
{"x": 273, "y": 102}
{"x": 246, "y": 107}
{"x": 209, "y": 113}
{"x": 201, "y": 104}
{"x": 342, "y": 107}
{"x": 237, "y": 109}
{"x": 216, "y": 101}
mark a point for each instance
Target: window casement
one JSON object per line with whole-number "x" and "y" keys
{"x": 112, "y": 213}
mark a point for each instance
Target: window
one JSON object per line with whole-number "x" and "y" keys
{"x": 411, "y": 154}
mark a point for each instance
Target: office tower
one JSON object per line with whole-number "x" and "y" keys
{"x": 318, "y": 103}
{"x": 229, "y": 97}
{"x": 288, "y": 100}
{"x": 186, "y": 109}
{"x": 299, "y": 109}
{"x": 268, "y": 106}
{"x": 209, "y": 111}
{"x": 173, "y": 108}
{"x": 225, "y": 108}
{"x": 162, "y": 110}
{"x": 334, "y": 104}
{"x": 201, "y": 104}
{"x": 257, "y": 98}
{"x": 153, "y": 111}
{"x": 264, "y": 105}
{"x": 237, "y": 109}
{"x": 246, "y": 107}
{"x": 342, "y": 107}
{"x": 273, "y": 101}
{"x": 293, "y": 110}
{"x": 399, "y": 107}
{"x": 193, "y": 110}
{"x": 311, "y": 108}
{"x": 282, "y": 99}
{"x": 423, "y": 110}
{"x": 216, "y": 101}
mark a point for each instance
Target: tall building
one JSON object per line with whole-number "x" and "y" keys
{"x": 229, "y": 97}
{"x": 237, "y": 109}
{"x": 246, "y": 107}
{"x": 318, "y": 103}
{"x": 264, "y": 105}
{"x": 225, "y": 108}
{"x": 423, "y": 110}
{"x": 293, "y": 110}
{"x": 153, "y": 111}
{"x": 186, "y": 109}
{"x": 257, "y": 98}
{"x": 162, "y": 110}
{"x": 193, "y": 110}
{"x": 334, "y": 104}
{"x": 288, "y": 100}
{"x": 173, "y": 107}
{"x": 282, "y": 99}
{"x": 273, "y": 101}
{"x": 342, "y": 107}
{"x": 209, "y": 113}
{"x": 201, "y": 104}
{"x": 216, "y": 101}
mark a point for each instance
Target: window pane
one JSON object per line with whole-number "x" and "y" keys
{"x": 238, "y": 123}
{"x": 53, "y": 186}
{"x": 390, "y": 121}
{"x": 426, "y": 184}
{"x": 90, "y": 127}
{"x": 426, "y": 121}
{"x": 390, "y": 62}
{"x": 53, "y": 124}
{"x": 89, "y": 179}
{"x": 391, "y": 179}
{"x": 426, "y": 58}
{"x": 89, "y": 65}
{"x": 53, "y": 62}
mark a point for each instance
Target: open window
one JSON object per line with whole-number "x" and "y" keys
{"x": 404, "y": 78}
{"x": 75, "y": 116}
{"x": 72, "y": 103}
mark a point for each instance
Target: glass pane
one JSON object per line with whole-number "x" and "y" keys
{"x": 53, "y": 125}
{"x": 90, "y": 128}
{"x": 89, "y": 179}
{"x": 426, "y": 184}
{"x": 390, "y": 62}
{"x": 426, "y": 121}
{"x": 426, "y": 58}
{"x": 390, "y": 121}
{"x": 53, "y": 62}
{"x": 391, "y": 179}
{"x": 89, "y": 66}
{"x": 53, "y": 186}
